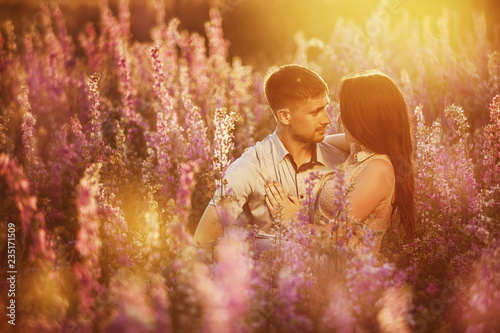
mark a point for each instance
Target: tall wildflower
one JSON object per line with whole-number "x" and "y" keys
{"x": 9, "y": 38}
{"x": 2, "y": 53}
{"x": 177, "y": 235}
{"x": 218, "y": 51}
{"x": 339, "y": 215}
{"x": 54, "y": 69}
{"x": 160, "y": 13}
{"x": 191, "y": 288}
{"x": 194, "y": 51}
{"x": 64, "y": 159}
{"x": 10, "y": 65}
{"x": 42, "y": 289}
{"x": 338, "y": 315}
{"x": 293, "y": 274}
{"x": 160, "y": 304}
{"x": 116, "y": 229}
{"x": 494, "y": 71}
{"x": 366, "y": 282}
{"x": 88, "y": 270}
{"x": 223, "y": 143}
{"x": 240, "y": 81}
{"x": 160, "y": 89}
{"x": 156, "y": 238}
{"x": 187, "y": 172}
{"x": 227, "y": 295}
{"x": 259, "y": 97}
{"x": 306, "y": 213}
{"x": 197, "y": 147}
{"x": 463, "y": 163}
{"x": 6, "y": 141}
{"x": 167, "y": 141}
{"x": 87, "y": 39}
{"x": 170, "y": 58}
{"x": 110, "y": 35}
{"x": 132, "y": 313}
{"x": 34, "y": 164}
{"x": 168, "y": 37}
{"x": 341, "y": 201}
{"x": 67, "y": 46}
{"x": 127, "y": 89}
{"x": 395, "y": 313}
{"x": 96, "y": 143}
{"x": 491, "y": 147}
{"x": 429, "y": 174}
{"x": 218, "y": 48}
{"x": 80, "y": 145}
{"x": 124, "y": 20}
{"x": 483, "y": 296}
{"x": 32, "y": 224}
{"x": 293, "y": 280}
{"x": 484, "y": 224}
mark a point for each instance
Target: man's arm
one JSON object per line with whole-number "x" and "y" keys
{"x": 338, "y": 140}
{"x": 209, "y": 228}
{"x": 224, "y": 208}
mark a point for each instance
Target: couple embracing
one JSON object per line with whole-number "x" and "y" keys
{"x": 374, "y": 151}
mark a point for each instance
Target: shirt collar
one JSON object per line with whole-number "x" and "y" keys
{"x": 318, "y": 157}
{"x": 280, "y": 148}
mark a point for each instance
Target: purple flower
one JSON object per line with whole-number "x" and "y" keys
{"x": 432, "y": 289}
{"x": 88, "y": 244}
{"x": 196, "y": 133}
{"x": 186, "y": 187}
{"x": 223, "y": 142}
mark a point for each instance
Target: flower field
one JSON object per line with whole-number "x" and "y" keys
{"x": 110, "y": 150}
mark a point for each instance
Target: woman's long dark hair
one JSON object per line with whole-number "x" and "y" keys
{"x": 375, "y": 113}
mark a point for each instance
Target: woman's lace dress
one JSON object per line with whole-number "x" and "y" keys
{"x": 379, "y": 220}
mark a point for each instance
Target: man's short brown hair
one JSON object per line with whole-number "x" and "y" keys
{"x": 290, "y": 84}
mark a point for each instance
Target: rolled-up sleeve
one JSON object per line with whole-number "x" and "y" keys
{"x": 240, "y": 178}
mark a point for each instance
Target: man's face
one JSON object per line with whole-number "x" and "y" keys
{"x": 309, "y": 120}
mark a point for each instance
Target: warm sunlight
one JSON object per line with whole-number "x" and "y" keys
{"x": 171, "y": 166}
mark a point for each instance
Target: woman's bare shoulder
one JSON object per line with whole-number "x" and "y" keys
{"x": 380, "y": 170}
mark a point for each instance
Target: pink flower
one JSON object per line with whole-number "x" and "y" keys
{"x": 432, "y": 289}
{"x": 88, "y": 243}
{"x": 223, "y": 141}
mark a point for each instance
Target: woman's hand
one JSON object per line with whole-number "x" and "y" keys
{"x": 278, "y": 200}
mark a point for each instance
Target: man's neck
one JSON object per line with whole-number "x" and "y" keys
{"x": 300, "y": 151}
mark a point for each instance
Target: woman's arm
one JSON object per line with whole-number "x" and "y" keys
{"x": 338, "y": 140}
{"x": 373, "y": 185}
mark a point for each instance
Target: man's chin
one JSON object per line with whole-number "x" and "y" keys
{"x": 319, "y": 137}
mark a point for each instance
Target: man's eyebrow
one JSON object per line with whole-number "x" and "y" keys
{"x": 321, "y": 107}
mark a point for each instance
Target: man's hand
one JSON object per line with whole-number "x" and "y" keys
{"x": 278, "y": 200}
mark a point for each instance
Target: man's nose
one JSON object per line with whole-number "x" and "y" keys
{"x": 325, "y": 120}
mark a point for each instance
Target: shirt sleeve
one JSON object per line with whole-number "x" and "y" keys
{"x": 240, "y": 180}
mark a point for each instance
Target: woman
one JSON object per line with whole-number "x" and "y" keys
{"x": 375, "y": 118}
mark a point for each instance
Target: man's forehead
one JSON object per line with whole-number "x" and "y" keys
{"x": 320, "y": 100}
{"x": 312, "y": 102}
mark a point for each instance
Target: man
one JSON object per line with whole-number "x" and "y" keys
{"x": 298, "y": 98}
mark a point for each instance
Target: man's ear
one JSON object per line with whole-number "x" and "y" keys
{"x": 283, "y": 116}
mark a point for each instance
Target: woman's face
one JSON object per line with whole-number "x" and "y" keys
{"x": 348, "y": 137}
